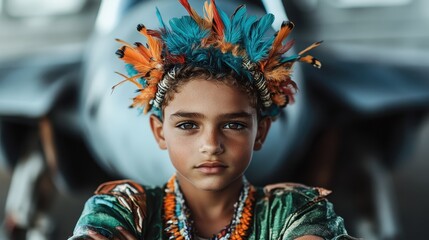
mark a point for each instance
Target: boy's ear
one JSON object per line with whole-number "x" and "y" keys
{"x": 157, "y": 130}
{"x": 263, "y": 128}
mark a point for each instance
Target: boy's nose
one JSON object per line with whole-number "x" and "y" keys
{"x": 211, "y": 143}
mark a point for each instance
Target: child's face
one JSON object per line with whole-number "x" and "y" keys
{"x": 210, "y": 131}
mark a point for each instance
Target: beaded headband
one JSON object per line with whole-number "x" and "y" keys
{"x": 216, "y": 42}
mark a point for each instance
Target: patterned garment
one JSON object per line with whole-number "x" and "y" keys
{"x": 282, "y": 211}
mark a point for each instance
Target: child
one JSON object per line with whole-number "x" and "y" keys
{"x": 213, "y": 84}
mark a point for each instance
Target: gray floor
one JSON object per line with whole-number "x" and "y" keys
{"x": 411, "y": 181}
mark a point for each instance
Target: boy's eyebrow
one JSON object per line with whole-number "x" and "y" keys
{"x": 181, "y": 114}
{"x": 237, "y": 115}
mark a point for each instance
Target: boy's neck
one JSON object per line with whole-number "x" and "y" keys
{"x": 211, "y": 210}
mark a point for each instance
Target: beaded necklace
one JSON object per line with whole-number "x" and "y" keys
{"x": 179, "y": 224}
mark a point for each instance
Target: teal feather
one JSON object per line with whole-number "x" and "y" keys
{"x": 247, "y": 24}
{"x": 130, "y": 69}
{"x": 236, "y": 22}
{"x": 264, "y": 24}
{"x": 227, "y": 60}
{"x": 225, "y": 19}
{"x": 184, "y": 34}
{"x": 256, "y": 46}
{"x": 272, "y": 111}
{"x": 215, "y": 61}
{"x": 233, "y": 26}
{"x": 132, "y": 72}
{"x": 160, "y": 20}
{"x": 292, "y": 58}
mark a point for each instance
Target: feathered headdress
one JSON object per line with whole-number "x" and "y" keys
{"x": 214, "y": 41}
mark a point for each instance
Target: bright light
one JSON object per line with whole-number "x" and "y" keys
{"x": 276, "y": 7}
{"x": 29, "y": 8}
{"x": 368, "y": 3}
{"x": 107, "y": 15}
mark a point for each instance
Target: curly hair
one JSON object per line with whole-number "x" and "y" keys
{"x": 187, "y": 73}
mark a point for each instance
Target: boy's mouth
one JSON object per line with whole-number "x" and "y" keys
{"x": 211, "y": 167}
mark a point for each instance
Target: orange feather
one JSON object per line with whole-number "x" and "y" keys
{"x": 144, "y": 97}
{"x": 154, "y": 44}
{"x": 282, "y": 34}
{"x": 155, "y": 76}
{"x": 143, "y": 50}
{"x": 279, "y": 99}
{"x": 311, "y": 60}
{"x": 314, "y": 45}
{"x": 278, "y": 48}
{"x": 130, "y": 79}
{"x": 208, "y": 13}
{"x": 132, "y": 56}
{"x": 217, "y": 20}
{"x": 193, "y": 13}
{"x": 278, "y": 74}
{"x": 124, "y": 43}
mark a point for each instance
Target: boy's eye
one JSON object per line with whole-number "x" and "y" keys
{"x": 236, "y": 126}
{"x": 187, "y": 126}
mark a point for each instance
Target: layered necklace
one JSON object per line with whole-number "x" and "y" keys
{"x": 177, "y": 216}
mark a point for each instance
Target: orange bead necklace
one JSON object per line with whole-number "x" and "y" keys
{"x": 177, "y": 217}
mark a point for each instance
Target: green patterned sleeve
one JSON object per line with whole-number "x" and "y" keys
{"x": 297, "y": 210}
{"x": 118, "y": 203}
{"x": 316, "y": 217}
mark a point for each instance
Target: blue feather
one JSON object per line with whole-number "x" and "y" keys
{"x": 248, "y": 40}
{"x": 236, "y": 24}
{"x": 256, "y": 46}
{"x": 158, "y": 15}
{"x": 225, "y": 19}
{"x": 233, "y": 25}
{"x": 157, "y": 112}
{"x": 233, "y": 62}
{"x": 130, "y": 69}
{"x": 132, "y": 72}
{"x": 185, "y": 33}
{"x": 264, "y": 24}
{"x": 292, "y": 58}
{"x": 272, "y": 111}
{"x": 247, "y": 24}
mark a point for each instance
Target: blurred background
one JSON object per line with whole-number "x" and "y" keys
{"x": 359, "y": 125}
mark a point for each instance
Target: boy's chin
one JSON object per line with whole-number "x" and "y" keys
{"x": 213, "y": 188}
{"x": 214, "y": 184}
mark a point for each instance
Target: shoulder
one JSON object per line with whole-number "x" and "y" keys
{"x": 279, "y": 189}
{"x": 127, "y": 188}
{"x": 124, "y": 188}
{"x": 291, "y": 210}
{"x": 286, "y": 200}
{"x": 295, "y": 195}
{"x": 127, "y": 193}
{"x": 130, "y": 194}
{"x": 125, "y": 198}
